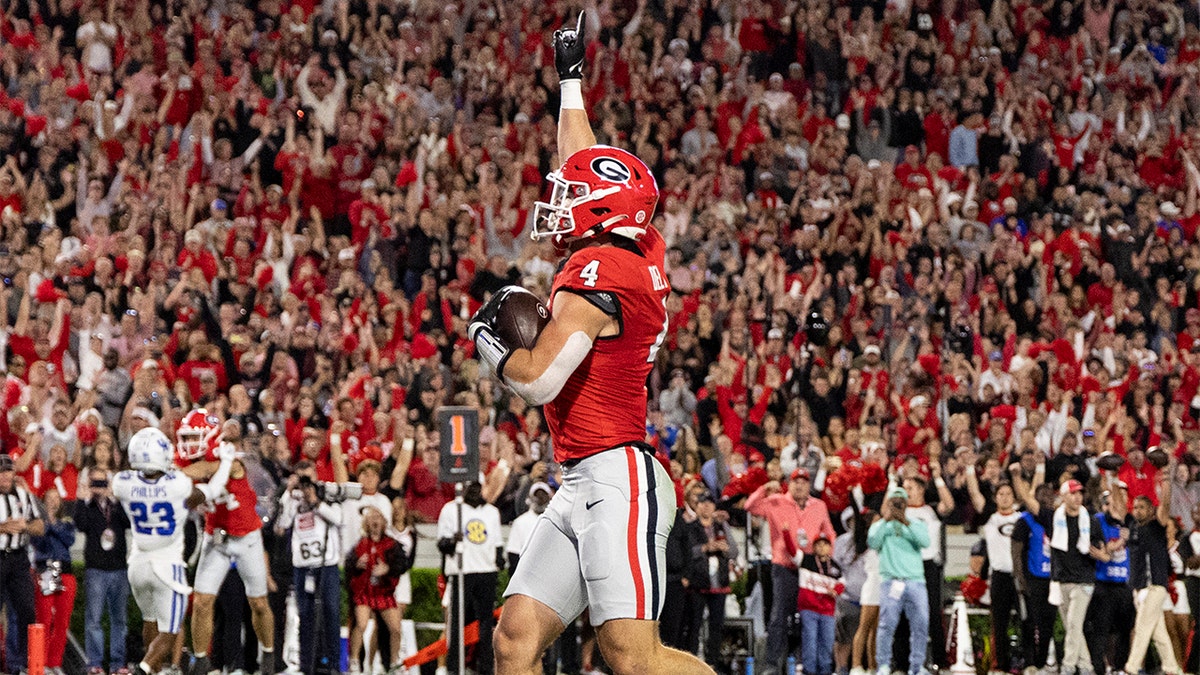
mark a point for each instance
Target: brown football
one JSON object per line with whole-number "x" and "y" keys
{"x": 1158, "y": 457}
{"x": 520, "y": 319}
{"x": 1110, "y": 461}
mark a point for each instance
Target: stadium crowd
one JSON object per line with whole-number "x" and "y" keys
{"x": 932, "y": 264}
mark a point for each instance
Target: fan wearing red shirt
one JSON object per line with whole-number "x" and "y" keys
{"x": 10, "y": 192}
{"x": 1100, "y": 293}
{"x": 292, "y": 160}
{"x": 1190, "y": 334}
{"x": 367, "y": 215}
{"x": 912, "y": 166}
{"x": 1140, "y": 476}
{"x": 273, "y": 209}
{"x": 55, "y": 474}
{"x": 755, "y": 32}
{"x": 874, "y": 373}
{"x": 207, "y": 362}
{"x": 912, "y": 433}
{"x": 316, "y": 448}
{"x": 27, "y": 456}
{"x": 357, "y": 428}
{"x": 351, "y": 164}
{"x": 373, "y": 569}
{"x": 194, "y": 254}
{"x": 33, "y": 341}
{"x": 424, "y": 493}
{"x": 938, "y": 124}
{"x": 180, "y": 87}
{"x": 735, "y": 410}
{"x": 1065, "y": 144}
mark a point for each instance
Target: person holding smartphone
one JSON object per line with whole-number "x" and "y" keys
{"x": 103, "y": 523}
{"x": 899, "y": 542}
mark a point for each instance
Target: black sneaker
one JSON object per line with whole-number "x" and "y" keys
{"x": 266, "y": 664}
{"x": 201, "y": 665}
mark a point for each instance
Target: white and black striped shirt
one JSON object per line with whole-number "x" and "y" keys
{"x": 16, "y": 504}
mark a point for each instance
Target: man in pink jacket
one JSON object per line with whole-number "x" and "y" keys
{"x": 797, "y": 519}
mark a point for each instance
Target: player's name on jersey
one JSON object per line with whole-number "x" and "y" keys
{"x": 148, "y": 492}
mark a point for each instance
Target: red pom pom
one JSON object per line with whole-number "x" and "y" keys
{"x": 423, "y": 347}
{"x": 46, "y": 292}
{"x": 973, "y": 589}
{"x": 407, "y": 175}
{"x": 34, "y": 124}
{"x": 87, "y": 433}
{"x": 79, "y": 92}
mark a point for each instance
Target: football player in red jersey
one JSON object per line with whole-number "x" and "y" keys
{"x": 231, "y": 536}
{"x": 601, "y": 543}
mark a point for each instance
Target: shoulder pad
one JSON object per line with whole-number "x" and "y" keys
{"x": 605, "y": 301}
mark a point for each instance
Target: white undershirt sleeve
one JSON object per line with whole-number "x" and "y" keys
{"x": 547, "y": 385}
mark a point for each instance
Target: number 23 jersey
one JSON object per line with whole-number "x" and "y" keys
{"x": 157, "y": 510}
{"x": 603, "y": 403}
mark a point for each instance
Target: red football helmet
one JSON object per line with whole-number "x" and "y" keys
{"x": 598, "y": 189}
{"x": 199, "y": 433}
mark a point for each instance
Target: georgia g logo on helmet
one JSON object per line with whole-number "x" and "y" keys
{"x": 611, "y": 169}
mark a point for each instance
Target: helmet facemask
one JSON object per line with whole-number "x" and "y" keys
{"x": 554, "y": 218}
{"x": 191, "y": 444}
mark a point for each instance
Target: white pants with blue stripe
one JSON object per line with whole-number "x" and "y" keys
{"x": 161, "y": 591}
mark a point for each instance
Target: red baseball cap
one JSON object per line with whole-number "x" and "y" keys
{"x": 1070, "y": 486}
{"x": 801, "y": 473}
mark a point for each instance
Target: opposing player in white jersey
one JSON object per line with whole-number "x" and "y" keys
{"x": 157, "y": 498}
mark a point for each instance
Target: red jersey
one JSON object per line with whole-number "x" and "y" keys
{"x": 43, "y": 479}
{"x": 603, "y": 403}
{"x": 234, "y": 511}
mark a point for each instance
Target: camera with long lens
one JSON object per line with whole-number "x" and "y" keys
{"x": 332, "y": 493}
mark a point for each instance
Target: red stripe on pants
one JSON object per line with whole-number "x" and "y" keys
{"x": 635, "y": 567}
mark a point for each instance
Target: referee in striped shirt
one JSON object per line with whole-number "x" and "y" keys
{"x": 19, "y": 518}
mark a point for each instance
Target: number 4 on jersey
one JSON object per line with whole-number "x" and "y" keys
{"x": 590, "y": 273}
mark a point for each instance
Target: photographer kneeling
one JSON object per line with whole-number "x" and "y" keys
{"x": 311, "y": 509}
